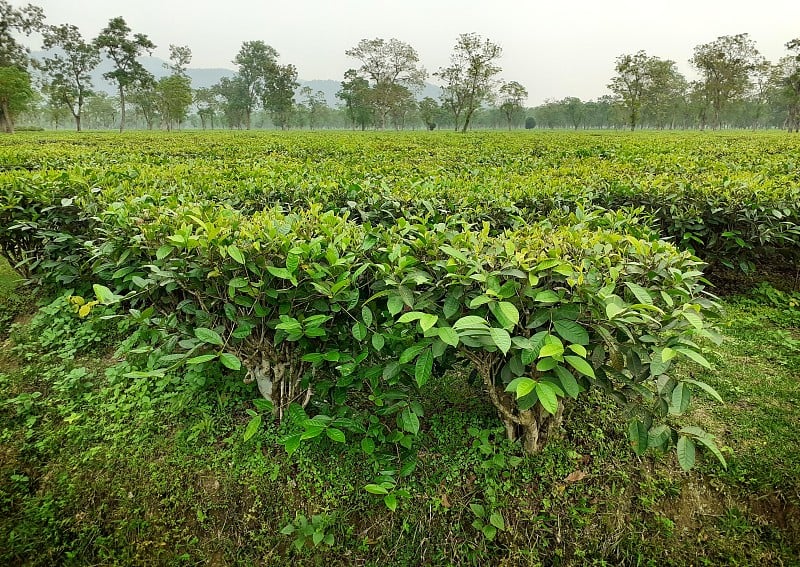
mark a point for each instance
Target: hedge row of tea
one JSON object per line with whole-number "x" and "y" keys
{"x": 341, "y": 273}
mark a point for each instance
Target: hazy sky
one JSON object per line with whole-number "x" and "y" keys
{"x": 555, "y": 48}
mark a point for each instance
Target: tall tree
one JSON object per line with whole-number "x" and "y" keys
{"x": 24, "y": 20}
{"x": 69, "y": 67}
{"x": 428, "y": 110}
{"x": 512, "y": 96}
{"x": 205, "y": 100}
{"x": 314, "y": 104}
{"x": 725, "y": 65}
{"x": 666, "y": 93}
{"x": 631, "y": 83}
{"x": 355, "y": 93}
{"x": 174, "y": 93}
{"x": 15, "y": 93}
{"x": 470, "y": 78}
{"x": 788, "y": 81}
{"x": 388, "y": 66}
{"x": 179, "y": 58}
{"x": 256, "y": 61}
{"x": 123, "y": 50}
{"x": 278, "y": 95}
{"x": 235, "y": 101}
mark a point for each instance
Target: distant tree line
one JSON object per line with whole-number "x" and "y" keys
{"x": 737, "y": 88}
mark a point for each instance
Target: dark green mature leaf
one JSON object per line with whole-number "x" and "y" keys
{"x": 638, "y": 435}
{"x": 448, "y": 336}
{"x": 642, "y": 295}
{"x": 501, "y": 339}
{"x": 236, "y": 254}
{"x": 547, "y": 397}
{"x": 229, "y": 360}
{"x": 686, "y": 452}
{"x": 681, "y": 398}
{"x": 423, "y": 368}
{"x": 201, "y": 359}
{"x": 581, "y": 365}
{"x": 506, "y": 314}
{"x": 334, "y": 434}
{"x": 571, "y": 332}
{"x": 209, "y": 336}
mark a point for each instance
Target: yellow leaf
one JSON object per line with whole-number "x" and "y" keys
{"x": 84, "y": 310}
{"x": 76, "y": 300}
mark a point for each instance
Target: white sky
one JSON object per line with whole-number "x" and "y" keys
{"x": 556, "y": 49}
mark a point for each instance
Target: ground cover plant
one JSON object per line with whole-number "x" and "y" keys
{"x": 467, "y": 323}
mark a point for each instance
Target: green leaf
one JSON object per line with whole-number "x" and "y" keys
{"x": 489, "y": 532}
{"x": 376, "y": 489}
{"x": 201, "y": 359}
{"x": 496, "y": 519}
{"x": 470, "y": 322}
{"x": 706, "y": 388}
{"x": 378, "y": 341}
{"x": 478, "y": 510}
{"x": 423, "y": 368}
{"x": 551, "y": 349}
{"x": 366, "y": 316}
{"x": 568, "y": 381}
{"x": 681, "y": 397}
{"x": 236, "y": 254}
{"x": 581, "y": 365}
{"x": 694, "y": 319}
{"x": 359, "y": 331}
{"x": 164, "y": 251}
{"x": 612, "y": 310}
{"x": 505, "y": 313}
{"x": 501, "y": 339}
{"x": 229, "y": 360}
{"x": 292, "y": 443}
{"x": 686, "y": 452}
{"x": 209, "y": 336}
{"x": 427, "y": 321}
{"x": 105, "y": 295}
{"x": 638, "y": 435}
{"x": 642, "y": 295}
{"x": 281, "y": 273}
{"x": 547, "y": 397}
{"x": 411, "y": 352}
{"x": 667, "y": 354}
{"x": 391, "y": 502}
{"x": 252, "y": 426}
{"x": 368, "y": 445}
{"x": 410, "y": 316}
{"x": 524, "y": 386}
{"x": 571, "y": 332}
{"x": 696, "y": 356}
{"x": 409, "y": 421}
{"x": 394, "y": 304}
{"x": 547, "y": 296}
{"x": 706, "y": 439}
{"x": 448, "y": 336}
{"x": 334, "y": 434}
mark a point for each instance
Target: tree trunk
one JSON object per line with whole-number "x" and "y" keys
{"x": 8, "y": 123}
{"x": 533, "y": 427}
{"x": 121, "y": 109}
{"x": 78, "y": 122}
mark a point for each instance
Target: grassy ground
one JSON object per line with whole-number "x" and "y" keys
{"x": 96, "y": 468}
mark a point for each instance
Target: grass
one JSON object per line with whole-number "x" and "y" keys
{"x": 96, "y": 468}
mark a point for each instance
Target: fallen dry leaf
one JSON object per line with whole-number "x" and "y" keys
{"x": 575, "y": 476}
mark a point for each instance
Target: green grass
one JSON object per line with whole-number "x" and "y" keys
{"x": 102, "y": 469}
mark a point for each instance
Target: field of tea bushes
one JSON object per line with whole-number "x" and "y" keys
{"x": 491, "y": 327}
